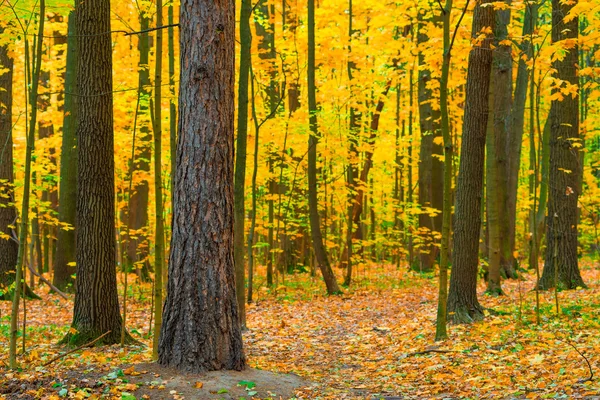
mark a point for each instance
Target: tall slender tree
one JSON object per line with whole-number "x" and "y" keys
{"x": 561, "y": 259}
{"x": 159, "y": 237}
{"x": 137, "y": 209}
{"x": 36, "y": 67}
{"x": 8, "y": 211}
{"x": 463, "y": 305}
{"x": 514, "y": 141}
{"x": 64, "y": 268}
{"x": 431, "y": 167}
{"x": 201, "y": 330}
{"x": 315, "y": 220}
{"x": 240, "y": 158}
{"x": 96, "y": 308}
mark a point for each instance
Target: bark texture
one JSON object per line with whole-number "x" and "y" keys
{"x": 65, "y": 245}
{"x": 565, "y": 163}
{"x": 96, "y": 309}
{"x": 200, "y": 329}
{"x": 8, "y": 213}
{"x": 463, "y": 305}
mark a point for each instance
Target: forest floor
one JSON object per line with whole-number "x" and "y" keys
{"x": 375, "y": 341}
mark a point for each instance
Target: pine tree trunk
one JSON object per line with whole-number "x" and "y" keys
{"x": 65, "y": 244}
{"x": 8, "y": 212}
{"x": 463, "y": 305}
{"x": 565, "y": 145}
{"x": 201, "y": 330}
{"x": 96, "y": 309}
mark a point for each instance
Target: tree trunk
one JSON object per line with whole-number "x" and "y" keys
{"x": 352, "y": 169}
{"x": 36, "y": 67}
{"x": 499, "y": 128}
{"x": 431, "y": 167}
{"x": 65, "y": 244}
{"x": 201, "y": 330}
{"x": 565, "y": 145}
{"x": 267, "y": 52}
{"x": 313, "y": 140}
{"x": 137, "y": 248}
{"x": 159, "y": 231}
{"x": 463, "y": 305}
{"x": 96, "y": 309}
{"x": 8, "y": 213}
{"x": 240, "y": 158}
{"x": 515, "y": 138}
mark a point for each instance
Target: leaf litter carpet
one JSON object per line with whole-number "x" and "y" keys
{"x": 376, "y": 341}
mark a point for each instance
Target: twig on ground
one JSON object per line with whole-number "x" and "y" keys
{"x": 591, "y": 377}
{"x": 74, "y": 350}
{"x": 418, "y": 353}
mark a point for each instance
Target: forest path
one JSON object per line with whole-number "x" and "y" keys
{"x": 361, "y": 344}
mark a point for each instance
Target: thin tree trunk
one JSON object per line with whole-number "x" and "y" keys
{"x": 64, "y": 268}
{"x": 315, "y": 223}
{"x": 267, "y": 52}
{"x": 9, "y": 246}
{"x": 515, "y": 138}
{"x": 254, "y": 195}
{"x": 137, "y": 221}
{"x": 240, "y": 158}
{"x": 33, "y": 95}
{"x": 431, "y": 168}
{"x": 201, "y": 328}
{"x": 159, "y": 235}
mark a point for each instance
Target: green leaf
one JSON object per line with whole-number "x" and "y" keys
{"x": 63, "y": 392}
{"x": 221, "y": 391}
{"x": 248, "y": 384}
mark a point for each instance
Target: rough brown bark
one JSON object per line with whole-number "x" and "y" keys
{"x": 96, "y": 309}
{"x": 200, "y": 329}
{"x": 8, "y": 213}
{"x": 565, "y": 167}
{"x": 463, "y": 305}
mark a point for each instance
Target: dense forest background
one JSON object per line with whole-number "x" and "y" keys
{"x": 378, "y": 145}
